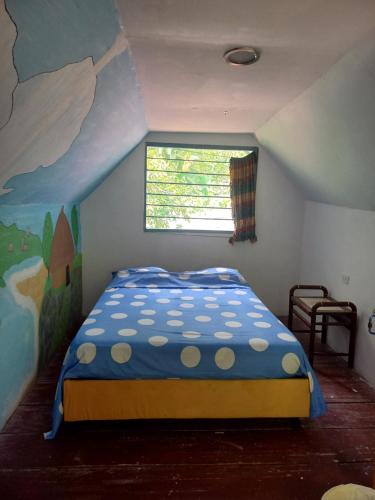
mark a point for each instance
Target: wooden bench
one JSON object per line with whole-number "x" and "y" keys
{"x": 322, "y": 311}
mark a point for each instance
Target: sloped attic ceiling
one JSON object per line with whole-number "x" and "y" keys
{"x": 69, "y": 108}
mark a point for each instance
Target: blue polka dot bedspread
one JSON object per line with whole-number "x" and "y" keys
{"x": 154, "y": 324}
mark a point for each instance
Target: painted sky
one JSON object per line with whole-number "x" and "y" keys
{"x": 54, "y": 33}
{"x": 51, "y": 35}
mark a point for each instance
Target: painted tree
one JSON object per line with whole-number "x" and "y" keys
{"x": 75, "y": 224}
{"x": 47, "y": 239}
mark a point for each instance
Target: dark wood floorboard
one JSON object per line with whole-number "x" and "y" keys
{"x": 257, "y": 459}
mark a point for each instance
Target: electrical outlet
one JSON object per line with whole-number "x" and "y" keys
{"x": 345, "y": 279}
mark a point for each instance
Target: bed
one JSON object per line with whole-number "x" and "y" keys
{"x": 183, "y": 345}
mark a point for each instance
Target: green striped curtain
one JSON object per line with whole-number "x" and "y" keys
{"x": 243, "y": 178}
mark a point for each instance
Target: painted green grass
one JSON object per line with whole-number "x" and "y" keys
{"x": 16, "y": 245}
{"x": 77, "y": 262}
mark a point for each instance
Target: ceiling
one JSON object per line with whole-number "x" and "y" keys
{"x": 186, "y": 86}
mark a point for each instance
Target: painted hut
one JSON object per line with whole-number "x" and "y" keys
{"x": 62, "y": 253}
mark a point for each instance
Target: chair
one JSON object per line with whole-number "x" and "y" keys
{"x": 331, "y": 312}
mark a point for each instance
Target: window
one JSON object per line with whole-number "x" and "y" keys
{"x": 187, "y": 187}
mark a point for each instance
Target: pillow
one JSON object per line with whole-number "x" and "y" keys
{"x": 123, "y": 273}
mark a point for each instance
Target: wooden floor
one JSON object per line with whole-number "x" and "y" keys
{"x": 245, "y": 459}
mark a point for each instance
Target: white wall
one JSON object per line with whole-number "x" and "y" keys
{"x": 113, "y": 236}
{"x": 339, "y": 241}
{"x": 325, "y": 137}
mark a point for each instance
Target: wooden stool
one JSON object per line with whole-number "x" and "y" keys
{"x": 341, "y": 313}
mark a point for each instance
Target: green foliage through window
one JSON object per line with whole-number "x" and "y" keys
{"x": 187, "y": 187}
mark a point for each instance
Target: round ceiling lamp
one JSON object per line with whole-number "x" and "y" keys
{"x": 241, "y": 56}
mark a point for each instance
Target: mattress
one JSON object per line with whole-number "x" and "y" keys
{"x": 151, "y": 324}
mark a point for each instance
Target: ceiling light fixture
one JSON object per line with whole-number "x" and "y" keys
{"x": 241, "y": 56}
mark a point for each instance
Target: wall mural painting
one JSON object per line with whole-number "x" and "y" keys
{"x": 40, "y": 296}
{"x": 70, "y": 110}
{"x": 51, "y": 59}
{"x": 47, "y": 111}
{"x": 8, "y": 74}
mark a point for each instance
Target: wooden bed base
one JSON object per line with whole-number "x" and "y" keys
{"x": 185, "y": 399}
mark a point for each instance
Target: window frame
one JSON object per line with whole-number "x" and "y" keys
{"x": 207, "y": 232}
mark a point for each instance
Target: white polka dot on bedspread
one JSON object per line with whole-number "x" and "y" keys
{"x": 112, "y": 303}
{"x": 163, "y": 301}
{"x": 174, "y": 312}
{"x": 287, "y": 337}
{"x": 290, "y": 363}
{"x": 261, "y": 307}
{"x": 228, "y": 314}
{"x": 89, "y": 321}
{"x": 187, "y": 305}
{"x": 233, "y": 324}
{"x": 121, "y": 352}
{"x": 203, "y": 319}
{"x": 86, "y": 353}
{"x": 224, "y": 277}
{"x": 92, "y": 332}
{"x": 258, "y": 344}
{"x": 175, "y": 322}
{"x": 95, "y": 312}
{"x": 127, "y": 332}
{"x": 254, "y": 315}
{"x": 311, "y": 381}
{"x": 158, "y": 340}
{"x": 191, "y": 334}
{"x": 262, "y": 324}
{"x": 223, "y": 335}
{"x": 148, "y": 312}
{"x": 146, "y": 321}
{"x": 225, "y": 358}
{"x": 190, "y": 356}
{"x": 119, "y": 315}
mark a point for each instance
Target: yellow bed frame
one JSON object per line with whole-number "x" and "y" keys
{"x": 156, "y": 399}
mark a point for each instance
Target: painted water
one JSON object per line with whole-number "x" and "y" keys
{"x": 18, "y": 337}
